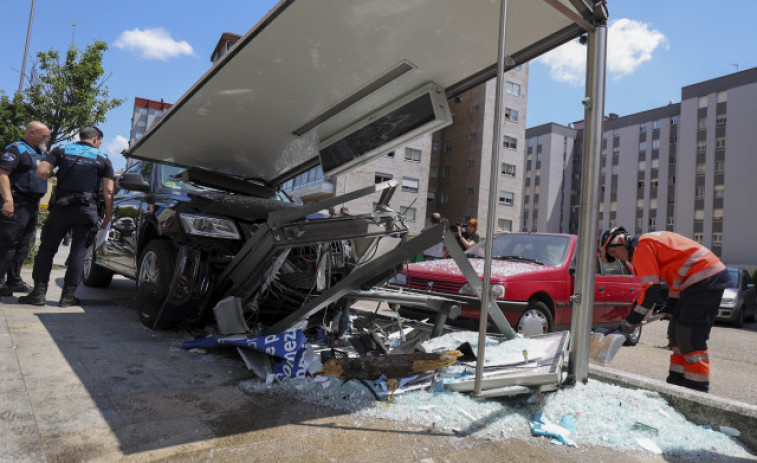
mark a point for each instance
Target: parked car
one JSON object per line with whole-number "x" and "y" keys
{"x": 738, "y": 303}
{"x": 533, "y": 275}
{"x": 192, "y": 237}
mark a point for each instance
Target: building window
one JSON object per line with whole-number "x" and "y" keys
{"x": 507, "y": 198}
{"x": 674, "y": 120}
{"x": 701, "y": 168}
{"x": 642, "y": 165}
{"x": 671, "y": 200}
{"x": 719, "y": 166}
{"x": 412, "y": 154}
{"x": 702, "y": 124}
{"x": 538, "y": 140}
{"x": 472, "y": 136}
{"x": 448, "y": 146}
{"x": 717, "y": 215}
{"x": 673, "y": 139}
{"x": 408, "y": 213}
{"x": 511, "y": 114}
{"x": 653, "y": 221}
{"x": 468, "y": 191}
{"x": 642, "y": 147}
{"x": 699, "y": 215}
{"x": 722, "y": 97}
{"x": 639, "y": 223}
{"x": 431, "y": 196}
{"x": 445, "y": 197}
{"x": 703, "y": 101}
{"x": 719, "y": 191}
{"x": 672, "y": 159}
{"x": 717, "y": 238}
{"x": 410, "y": 185}
{"x": 720, "y": 119}
{"x": 699, "y": 237}
{"x": 471, "y": 163}
{"x": 671, "y": 221}
{"x": 643, "y": 128}
{"x": 616, "y": 133}
{"x": 508, "y": 170}
{"x": 701, "y": 146}
{"x": 513, "y": 89}
{"x": 616, "y": 154}
{"x": 504, "y": 225}
{"x": 655, "y": 144}
{"x": 699, "y": 192}
{"x": 510, "y": 142}
{"x": 656, "y": 124}
{"x": 672, "y": 180}
{"x": 654, "y": 183}
{"x": 640, "y": 185}
{"x": 446, "y": 171}
{"x": 382, "y": 177}
{"x": 474, "y": 108}
{"x": 720, "y": 143}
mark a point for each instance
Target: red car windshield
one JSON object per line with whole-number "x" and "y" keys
{"x": 542, "y": 249}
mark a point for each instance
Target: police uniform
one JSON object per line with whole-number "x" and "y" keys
{"x": 17, "y": 233}
{"x": 81, "y": 167}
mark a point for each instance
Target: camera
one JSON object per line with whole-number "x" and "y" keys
{"x": 456, "y": 226}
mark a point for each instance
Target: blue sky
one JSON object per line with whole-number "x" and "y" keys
{"x": 159, "y": 48}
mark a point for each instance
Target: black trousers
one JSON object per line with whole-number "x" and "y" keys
{"x": 17, "y": 234}
{"x": 82, "y": 221}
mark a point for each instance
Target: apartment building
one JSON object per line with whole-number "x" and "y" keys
{"x": 687, "y": 167}
{"x": 145, "y": 114}
{"x": 461, "y": 157}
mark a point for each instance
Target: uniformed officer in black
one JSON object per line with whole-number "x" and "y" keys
{"x": 81, "y": 168}
{"x": 21, "y": 191}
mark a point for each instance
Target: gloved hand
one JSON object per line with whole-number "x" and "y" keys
{"x": 626, "y": 328}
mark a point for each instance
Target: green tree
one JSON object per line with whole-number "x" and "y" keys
{"x": 64, "y": 94}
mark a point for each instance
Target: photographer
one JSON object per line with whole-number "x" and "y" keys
{"x": 466, "y": 238}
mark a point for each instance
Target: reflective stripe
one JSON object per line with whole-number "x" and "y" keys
{"x": 700, "y": 378}
{"x": 698, "y": 254}
{"x": 704, "y": 274}
{"x": 651, "y": 279}
{"x": 641, "y": 309}
{"x": 696, "y": 357}
{"x": 676, "y": 350}
{"x": 676, "y": 368}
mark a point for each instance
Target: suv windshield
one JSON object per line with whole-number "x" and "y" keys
{"x": 541, "y": 249}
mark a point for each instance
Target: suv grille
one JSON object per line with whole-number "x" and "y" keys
{"x": 436, "y": 285}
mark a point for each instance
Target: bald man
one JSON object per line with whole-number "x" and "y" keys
{"x": 21, "y": 191}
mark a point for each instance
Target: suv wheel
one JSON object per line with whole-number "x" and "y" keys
{"x": 740, "y": 318}
{"x": 94, "y": 275}
{"x": 156, "y": 267}
{"x": 536, "y": 319}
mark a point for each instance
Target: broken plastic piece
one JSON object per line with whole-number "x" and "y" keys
{"x": 541, "y": 426}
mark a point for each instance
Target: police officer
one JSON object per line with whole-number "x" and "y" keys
{"x": 81, "y": 168}
{"x": 21, "y": 191}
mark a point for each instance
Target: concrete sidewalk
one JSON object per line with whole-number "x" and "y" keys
{"x": 91, "y": 383}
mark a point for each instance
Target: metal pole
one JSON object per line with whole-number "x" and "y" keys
{"x": 492, "y": 212}
{"x": 26, "y": 47}
{"x": 583, "y": 300}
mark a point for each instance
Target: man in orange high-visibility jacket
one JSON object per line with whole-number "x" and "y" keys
{"x": 696, "y": 279}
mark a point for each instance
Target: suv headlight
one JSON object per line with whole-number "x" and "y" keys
{"x": 208, "y": 225}
{"x": 498, "y": 291}
{"x": 730, "y": 297}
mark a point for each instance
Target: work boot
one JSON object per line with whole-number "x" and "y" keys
{"x": 37, "y": 296}
{"x": 5, "y": 291}
{"x": 675, "y": 378}
{"x": 19, "y": 286}
{"x": 67, "y": 297}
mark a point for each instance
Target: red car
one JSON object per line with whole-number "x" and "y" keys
{"x": 533, "y": 275}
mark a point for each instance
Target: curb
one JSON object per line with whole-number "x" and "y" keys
{"x": 697, "y": 407}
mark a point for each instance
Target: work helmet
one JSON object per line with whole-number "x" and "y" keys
{"x": 616, "y": 236}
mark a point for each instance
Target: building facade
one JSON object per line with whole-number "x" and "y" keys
{"x": 146, "y": 113}
{"x": 685, "y": 167}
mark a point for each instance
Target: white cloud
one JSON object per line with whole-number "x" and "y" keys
{"x": 629, "y": 44}
{"x": 113, "y": 149}
{"x": 153, "y": 44}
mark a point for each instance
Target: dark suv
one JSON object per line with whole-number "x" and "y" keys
{"x": 190, "y": 237}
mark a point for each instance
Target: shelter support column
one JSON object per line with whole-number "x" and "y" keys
{"x": 583, "y": 299}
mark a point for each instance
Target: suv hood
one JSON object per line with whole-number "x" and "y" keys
{"x": 277, "y": 96}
